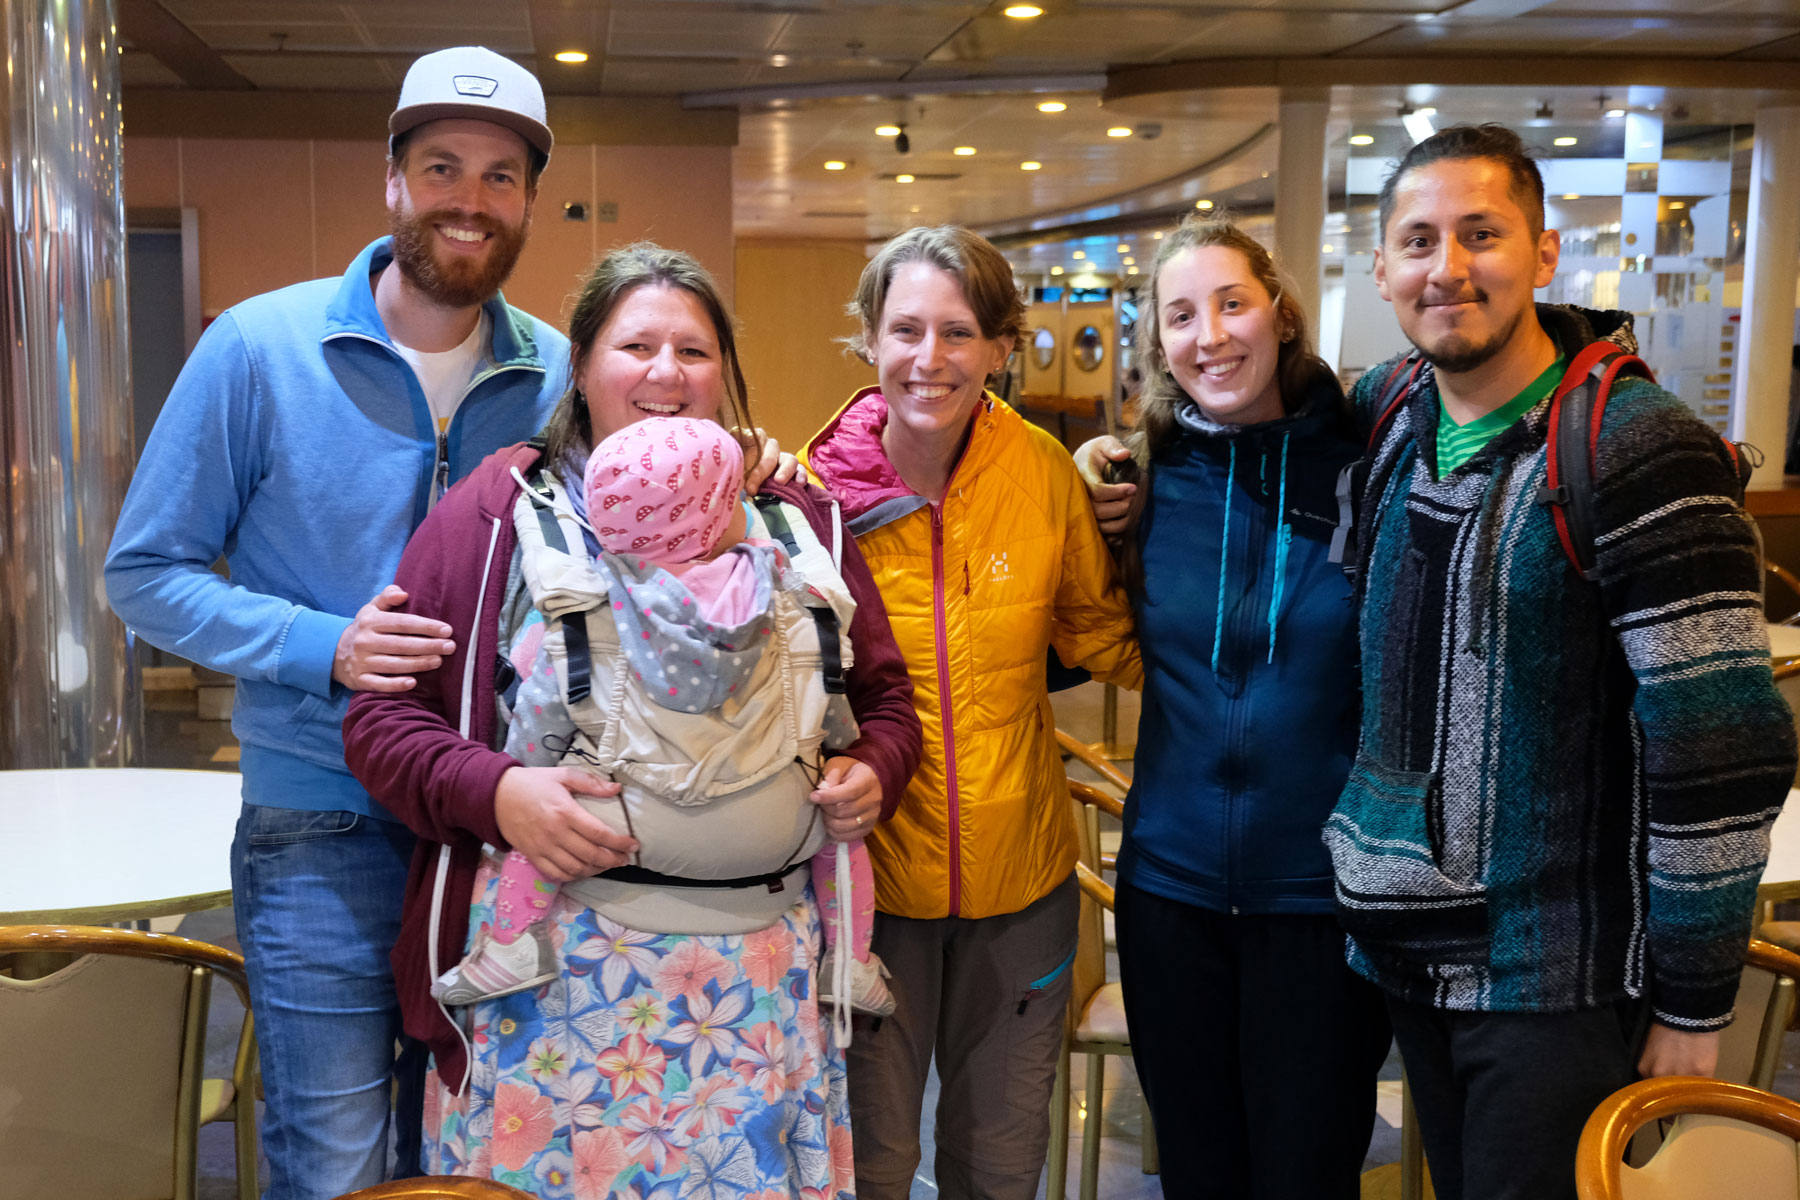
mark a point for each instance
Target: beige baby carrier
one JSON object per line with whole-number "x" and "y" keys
{"x": 717, "y": 800}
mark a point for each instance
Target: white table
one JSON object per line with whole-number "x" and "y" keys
{"x": 92, "y": 847}
{"x": 1784, "y": 641}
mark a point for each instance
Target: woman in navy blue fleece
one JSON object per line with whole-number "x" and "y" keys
{"x": 1246, "y": 1023}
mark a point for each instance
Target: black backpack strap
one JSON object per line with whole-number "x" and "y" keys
{"x": 1576, "y": 410}
{"x": 1393, "y": 392}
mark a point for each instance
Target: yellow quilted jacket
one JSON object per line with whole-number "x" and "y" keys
{"x": 977, "y": 589}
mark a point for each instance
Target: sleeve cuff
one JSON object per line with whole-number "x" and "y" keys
{"x": 308, "y": 650}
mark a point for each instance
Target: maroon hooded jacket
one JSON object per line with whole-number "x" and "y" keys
{"x": 405, "y": 748}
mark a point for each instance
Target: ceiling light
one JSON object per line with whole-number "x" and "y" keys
{"x": 1051, "y": 106}
{"x": 1615, "y": 113}
{"x": 1203, "y": 205}
{"x": 1056, "y": 270}
{"x": 1427, "y": 111}
{"x": 1119, "y": 131}
{"x": 1124, "y": 248}
{"x": 887, "y": 131}
{"x": 915, "y": 208}
{"x": 1156, "y": 236}
{"x": 835, "y": 164}
{"x": 963, "y": 151}
{"x": 571, "y": 56}
{"x": 1031, "y": 165}
{"x": 903, "y": 179}
{"x": 1023, "y": 12}
{"x": 1131, "y": 270}
{"x": 1565, "y": 141}
{"x": 1362, "y": 139}
{"x": 779, "y": 60}
{"x": 1325, "y": 249}
{"x": 1128, "y": 260}
{"x": 1678, "y": 204}
{"x": 1571, "y": 195}
{"x": 1079, "y": 254}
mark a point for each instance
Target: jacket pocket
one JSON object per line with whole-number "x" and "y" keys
{"x": 1391, "y": 892}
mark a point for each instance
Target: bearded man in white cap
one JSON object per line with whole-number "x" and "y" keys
{"x": 308, "y": 435}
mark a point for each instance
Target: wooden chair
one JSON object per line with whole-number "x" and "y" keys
{"x": 1096, "y": 1018}
{"x": 1728, "y": 1141}
{"x": 439, "y": 1187}
{"x": 107, "y": 1055}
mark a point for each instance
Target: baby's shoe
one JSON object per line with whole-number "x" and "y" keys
{"x": 493, "y": 969}
{"x": 868, "y": 994}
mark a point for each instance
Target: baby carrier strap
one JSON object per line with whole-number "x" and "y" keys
{"x": 780, "y": 517}
{"x": 541, "y": 490}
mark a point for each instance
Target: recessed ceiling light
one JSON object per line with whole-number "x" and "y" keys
{"x": 1031, "y": 165}
{"x": 1426, "y": 111}
{"x": 1079, "y": 254}
{"x": 779, "y": 60}
{"x": 1565, "y": 141}
{"x": 1051, "y": 106}
{"x": 887, "y": 131}
{"x": 1157, "y": 236}
{"x": 835, "y": 164}
{"x": 1362, "y": 139}
{"x": 1203, "y": 205}
{"x": 1131, "y": 270}
{"x": 1571, "y": 195}
{"x": 1124, "y": 248}
{"x": 1325, "y": 249}
{"x": 1119, "y": 131}
{"x": 1678, "y": 204}
{"x": 1056, "y": 270}
{"x": 964, "y": 151}
{"x": 915, "y": 208}
{"x": 1128, "y": 260}
{"x": 1615, "y": 113}
{"x": 571, "y": 56}
{"x": 1022, "y": 12}
{"x": 903, "y": 179}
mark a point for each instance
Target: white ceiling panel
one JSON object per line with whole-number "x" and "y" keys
{"x": 677, "y": 31}
{"x": 321, "y": 72}
{"x": 653, "y": 77}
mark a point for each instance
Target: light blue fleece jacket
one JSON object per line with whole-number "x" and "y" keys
{"x": 297, "y": 445}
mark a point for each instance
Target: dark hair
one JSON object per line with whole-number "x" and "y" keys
{"x": 985, "y": 275}
{"x": 535, "y": 162}
{"x": 569, "y": 434}
{"x": 1490, "y": 140}
{"x": 1297, "y": 369}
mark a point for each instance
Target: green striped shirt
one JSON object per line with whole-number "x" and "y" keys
{"x": 1457, "y": 444}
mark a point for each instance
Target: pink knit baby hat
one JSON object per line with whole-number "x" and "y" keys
{"x": 663, "y": 489}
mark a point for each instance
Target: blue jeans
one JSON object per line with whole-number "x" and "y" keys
{"x": 317, "y": 898}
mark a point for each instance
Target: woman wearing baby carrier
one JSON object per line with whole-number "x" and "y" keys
{"x": 680, "y": 1034}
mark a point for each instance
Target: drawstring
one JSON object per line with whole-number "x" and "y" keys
{"x": 840, "y": 952}
{"x": 1224, "y": 552}
{"x": 1284, "y": 534}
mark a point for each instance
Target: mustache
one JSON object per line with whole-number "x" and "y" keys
{"x": 1475, "y": 296}
{"x": 446, "y": 216}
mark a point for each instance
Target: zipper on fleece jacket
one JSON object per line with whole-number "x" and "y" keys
{"x": 946, "y": 717}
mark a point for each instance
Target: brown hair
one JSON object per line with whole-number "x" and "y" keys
{"x": 1492, "y": 141}
{"x": 1297, "y": 368}
{"x": 985, "y": 275}
{"x": 569, "y": 434}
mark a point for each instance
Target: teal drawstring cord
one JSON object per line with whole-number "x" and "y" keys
{"x": 1284, "y": 534}
{"x": 1224, "y": 551}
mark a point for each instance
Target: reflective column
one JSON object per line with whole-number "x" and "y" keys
{"x": 1766, "y": 340}
{"x": 68, "y": 694}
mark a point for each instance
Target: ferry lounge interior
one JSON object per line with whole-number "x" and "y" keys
{"x": 167, "y": 159}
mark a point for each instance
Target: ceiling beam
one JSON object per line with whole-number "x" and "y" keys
{"x": 154, "y": 30}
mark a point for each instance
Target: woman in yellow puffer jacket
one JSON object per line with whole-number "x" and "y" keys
{"x": 979, "y": 535}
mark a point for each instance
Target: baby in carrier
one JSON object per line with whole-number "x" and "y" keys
{"x": 696, "y": 605}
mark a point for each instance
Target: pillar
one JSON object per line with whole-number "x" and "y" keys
{"x": 1772, "y": 250}
{"x": 1300, "y": 192}
{"x": 68, "y": 694}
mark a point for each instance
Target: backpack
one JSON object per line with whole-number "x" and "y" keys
{"x": 1576, "y": 409}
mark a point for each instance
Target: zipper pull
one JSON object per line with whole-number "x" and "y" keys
{"x": 443, "y": 463}
{"x": 965, "y": 576}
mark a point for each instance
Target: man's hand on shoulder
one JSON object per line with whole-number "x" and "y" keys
{"x": 383, "y": 648}
{"x": 1677, "y": 1052}
{"x": 1111, "y": 501}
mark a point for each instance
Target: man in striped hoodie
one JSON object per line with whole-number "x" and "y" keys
{"x": 1549, "y": 845}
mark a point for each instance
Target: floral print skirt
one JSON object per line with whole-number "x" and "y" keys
{"x": 658, "y": 1067}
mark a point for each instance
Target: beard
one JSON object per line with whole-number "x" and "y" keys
{"x": 1457, "y": 355}
{"x": 457, "y": 283}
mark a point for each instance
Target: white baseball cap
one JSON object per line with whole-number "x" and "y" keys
{"x": 475, "y": 83}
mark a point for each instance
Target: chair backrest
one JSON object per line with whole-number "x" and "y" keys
{"x": 1750, "y": 1047}
{"x": 1728, "y": 1140}
{"x": 439, "y": 1187}
{"x": 1088, "y": 972}
{"x": 100, "y": 1064}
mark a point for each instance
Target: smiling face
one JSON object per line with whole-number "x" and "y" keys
{"x": 459, "y": 205}
{"x": 656, "y": 356}
{"x": 930, "y": 355}
{"x": 1459, "y": 261}
{"x": 1221, "y": 333}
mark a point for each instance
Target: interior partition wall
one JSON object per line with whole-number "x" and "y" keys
{"x": 67, "y": 693}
